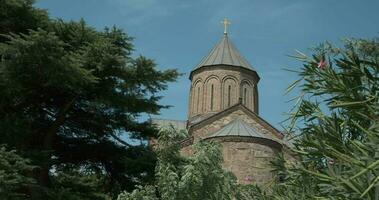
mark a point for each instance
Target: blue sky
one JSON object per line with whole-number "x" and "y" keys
{"x": 179, "y": 33}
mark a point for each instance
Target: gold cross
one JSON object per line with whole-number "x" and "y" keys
{"x": 226, "y": 22}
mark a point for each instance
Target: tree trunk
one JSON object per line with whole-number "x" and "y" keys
{"x": 43, "y": 176}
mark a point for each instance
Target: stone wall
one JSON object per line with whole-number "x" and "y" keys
{"x": 186, "y": 151}
{"x": 250, "y": 160}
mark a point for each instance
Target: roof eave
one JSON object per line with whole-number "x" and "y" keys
{"x": 224, "y": 65}
{"x": 249, "y": 139}
{"x": 196, "y": 125}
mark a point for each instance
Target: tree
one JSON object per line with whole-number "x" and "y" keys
{"x": 13, "y": 175}
{"x": 180, "y": 178}
{"x": 69, "y": 94}
{"x": 336, "y": 124}
{"x": 18, "y": 16}
{"x": 77, "y": 185}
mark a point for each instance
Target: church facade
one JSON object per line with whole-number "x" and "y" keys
{"x": 224, "y": 107}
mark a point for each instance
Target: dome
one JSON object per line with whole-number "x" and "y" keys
{"x": 225, "y": 53}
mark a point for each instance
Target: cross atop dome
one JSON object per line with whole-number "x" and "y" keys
{"x": 226, "y": 23}
{"x": 225, "y": 53}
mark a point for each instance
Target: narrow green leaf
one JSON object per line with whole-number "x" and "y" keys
{"x": 293, "y": 85}
{"x": 370, "y": 186}
{"x": 372, "y": 166}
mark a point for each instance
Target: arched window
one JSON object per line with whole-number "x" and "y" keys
{"x": 198, "y": 100}
{"x": 229, "y": 92}
{"x": 244, "y": 96}
{"x": 212, "y": 91}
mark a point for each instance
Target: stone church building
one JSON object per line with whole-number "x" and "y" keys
{"x": 224, "y": 107}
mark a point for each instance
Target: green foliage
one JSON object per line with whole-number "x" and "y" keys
{"x": 250, "y": 192}
{"x": 141, "y": 193}
{"x": 69, "y": 93}
{"x": 199, "y": 176}
{"x": 14, "y": 175}
{"x": 18, "y": 16}
{"x": 77, "y": 185}
{"x": 336, "y": 123}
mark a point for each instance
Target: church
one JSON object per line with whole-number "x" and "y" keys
{"x": 224, "y": 107}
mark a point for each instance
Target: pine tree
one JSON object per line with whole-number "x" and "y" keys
{"x": 14, "y": 172}
{"x": 70, "y": 93}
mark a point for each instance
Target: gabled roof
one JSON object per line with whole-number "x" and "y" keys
{"x": 224, "y": 53}
{"x": 198, "y": 124}
{"x": 238, "y": 128}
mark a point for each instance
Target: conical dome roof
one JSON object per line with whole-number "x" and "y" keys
{"x": 225, "y": 53}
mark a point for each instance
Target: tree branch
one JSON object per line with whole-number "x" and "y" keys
{"x": 120, "y": 140}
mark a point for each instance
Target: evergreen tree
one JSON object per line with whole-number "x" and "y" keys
{"x": 18, "y": 16}
{"x": 69, "y": 93}
{"x": 14, "y": 172}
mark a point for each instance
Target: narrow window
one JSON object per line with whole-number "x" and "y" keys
{"x": 198, "y": 100}
{"x": 211, "y": 97}
{"x": 245, "y": 96}
{"x": 229, "y": 90}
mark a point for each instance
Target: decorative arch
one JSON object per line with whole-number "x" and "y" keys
{"x": 256, "y": 99}
{"x": 230, "y": 77}
{"x": 212, "y": 94}
{"x": 229, "y": 91}
{"x": 196, "y": 81}
{"x": 247, "y": 94}
{"x": 197, "y": 97}
{"x": 212, "y": 77}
